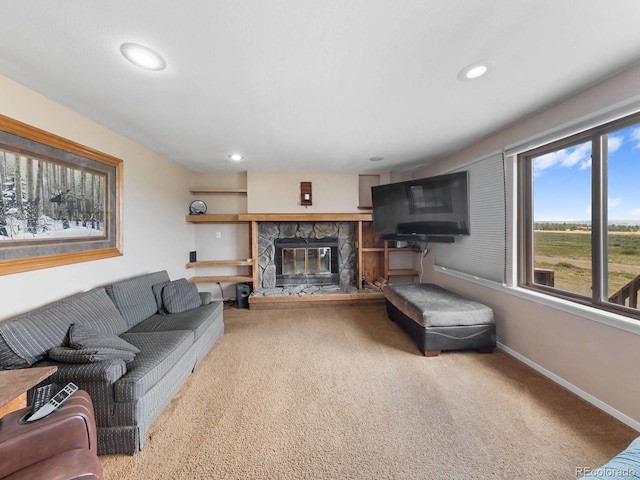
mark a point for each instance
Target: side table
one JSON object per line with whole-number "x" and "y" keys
{"x": 15, "y": 383}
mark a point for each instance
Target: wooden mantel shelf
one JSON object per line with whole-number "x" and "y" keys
{"x": 281, "y": 217}
{"x": 306, "y": 217}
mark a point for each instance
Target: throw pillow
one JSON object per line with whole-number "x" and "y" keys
{"x": 81, "y": 337}
{"x": 180, "y": 296}
{"x": 157, "y": 292}
{"x": 88, "y": 355}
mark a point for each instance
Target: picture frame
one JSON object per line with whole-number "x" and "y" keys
{"x": 60, "y": 202}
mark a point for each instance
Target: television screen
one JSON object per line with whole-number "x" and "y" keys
{"x": 422, "y": 208}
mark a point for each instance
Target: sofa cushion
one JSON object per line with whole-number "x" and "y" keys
{"x": 81, "y": 337}
{"x": 32, "y": 334}
{"x": 180, "y": 296}
{"x": 159, "y": 352}
{"x": 196, "y": 320}
{"x": 134, "y": 296}
{"x": 89, "y": 355}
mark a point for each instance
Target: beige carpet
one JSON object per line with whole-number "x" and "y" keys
{"x": 343, "y": 393}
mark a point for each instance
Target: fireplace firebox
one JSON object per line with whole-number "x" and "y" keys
{"x": 311, "y": 261}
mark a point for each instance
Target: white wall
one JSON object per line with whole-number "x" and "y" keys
{"x": 279, "y": 192}
{"x": 155, "y": 201}
{"x": 221, "y": 203}
{"x": 598, "y": 361}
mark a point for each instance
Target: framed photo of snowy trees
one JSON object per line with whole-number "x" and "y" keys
{"x": 60, "y": 201}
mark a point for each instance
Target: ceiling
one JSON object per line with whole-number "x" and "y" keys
{"x": 313, "y": 84}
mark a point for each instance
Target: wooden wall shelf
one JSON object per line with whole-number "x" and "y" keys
{"x": 305, "y": 217}
{"x": 213, "y": 218}
{"x": 397, "y": 272}
{"x": 222, "y": 279}
{"x": 221, "y": 263}
{"x": 280, "y": 217}
{"x": 217, "y": 191}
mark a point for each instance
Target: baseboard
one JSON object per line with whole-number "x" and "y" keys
{"x": 572, "y": 388}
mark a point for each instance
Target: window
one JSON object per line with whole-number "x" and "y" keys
{"x": 579, "y": 217}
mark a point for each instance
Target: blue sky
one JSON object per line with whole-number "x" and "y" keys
{"x": 562, "y": 181}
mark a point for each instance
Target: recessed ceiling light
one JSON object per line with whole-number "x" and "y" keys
{"x": 471, "y": 72}
{"x": 376, "y": 159}
{"x": 236, "y": 157}
{"x": 142, "y": 56}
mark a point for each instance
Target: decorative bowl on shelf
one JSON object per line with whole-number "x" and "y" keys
{"x": 198, "y": 207}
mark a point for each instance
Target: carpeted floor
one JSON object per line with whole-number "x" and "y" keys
{"x": 343, "y": 393}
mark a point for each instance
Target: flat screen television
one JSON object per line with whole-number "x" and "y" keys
{"x": 422, "y": 209}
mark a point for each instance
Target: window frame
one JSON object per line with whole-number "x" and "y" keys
{"x": 597, "y": 136}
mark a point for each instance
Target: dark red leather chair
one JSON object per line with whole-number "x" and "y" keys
{"x": 62, "y": 446}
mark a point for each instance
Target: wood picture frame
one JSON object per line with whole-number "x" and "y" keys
{"x": 60, "y": 202}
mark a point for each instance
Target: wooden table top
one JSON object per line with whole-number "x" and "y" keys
{"x": 14, "y": 383}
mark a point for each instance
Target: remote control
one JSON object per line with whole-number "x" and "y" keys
{"x": 42, "y": 395}
{"x": 57, "y": 400}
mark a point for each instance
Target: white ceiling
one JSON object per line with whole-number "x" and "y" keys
{"x": 313, "y": 84}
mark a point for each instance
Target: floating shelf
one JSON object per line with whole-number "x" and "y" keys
{"x": 221, "y": 263}
{"x": 217, "y": 191}
{"x": 222, "y": 279}
{"x": 279, "y": 217}
{"x": 372, "y": 249}
{"x": 213, "y": 218}
{"x": 305, "y": 217}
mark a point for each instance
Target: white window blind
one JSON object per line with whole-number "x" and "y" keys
{"x": 483, "y": 253}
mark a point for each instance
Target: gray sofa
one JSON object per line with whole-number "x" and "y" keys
{"x": 130, "y": 345}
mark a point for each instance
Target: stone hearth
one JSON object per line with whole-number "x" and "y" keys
{"x": 268, "y": 232}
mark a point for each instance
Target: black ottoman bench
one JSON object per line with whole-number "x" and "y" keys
{"x": 438, "y": 319}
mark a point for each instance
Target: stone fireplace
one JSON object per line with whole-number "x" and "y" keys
{"x": 306, "y": 261}
{"x": 306, "y": 253}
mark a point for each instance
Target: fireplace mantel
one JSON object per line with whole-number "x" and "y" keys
{"x": 280, "y": 217}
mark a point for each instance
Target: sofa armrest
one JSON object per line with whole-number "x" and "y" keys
{"x": 206, "y": 297}
{"x": 108, "y": 371}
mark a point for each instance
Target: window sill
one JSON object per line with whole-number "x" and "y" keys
{"x": 607, "y": 318}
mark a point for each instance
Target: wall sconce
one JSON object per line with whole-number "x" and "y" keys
{"x": 305, "y": 193}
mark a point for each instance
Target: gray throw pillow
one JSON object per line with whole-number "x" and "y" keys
{"x": 88, "y": 355}
{"x": 157, "y": 292}
{"x": 180, "y": 296}
{"x": 81, "y": 337}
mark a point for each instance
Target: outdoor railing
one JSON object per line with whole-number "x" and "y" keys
{"x": 630, "y": 292}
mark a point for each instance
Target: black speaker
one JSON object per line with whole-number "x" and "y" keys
{"x": 192, "y": 256}
{"x": 243, "y": 290}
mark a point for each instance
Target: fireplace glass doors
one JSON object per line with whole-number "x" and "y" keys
{"x": 306, "y": 261}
